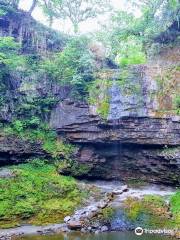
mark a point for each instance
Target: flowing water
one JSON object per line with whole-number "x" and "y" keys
{"x": 100, "y": 236}
{"x": 119, "y": 224}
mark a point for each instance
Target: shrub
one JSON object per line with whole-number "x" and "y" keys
{"x": 73, "y": 66}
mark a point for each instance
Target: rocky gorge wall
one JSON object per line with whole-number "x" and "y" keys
{"x": 32, "y": 35}
{"x": 130, "y": 148}
{"x": 138, "y": 140}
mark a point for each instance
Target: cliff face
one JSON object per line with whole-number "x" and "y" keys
{"x": 15, "y": 150}
{"x": 140, "y": 138}
{"x": 34, "y": 37}
{"x": 130, "y": 148}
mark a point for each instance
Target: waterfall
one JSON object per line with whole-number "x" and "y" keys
{"x": 115, "y": 98}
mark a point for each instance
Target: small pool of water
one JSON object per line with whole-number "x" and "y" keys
{"x": 100, "y": 236}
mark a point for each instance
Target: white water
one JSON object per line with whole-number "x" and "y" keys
{"x": 137, "y": 192}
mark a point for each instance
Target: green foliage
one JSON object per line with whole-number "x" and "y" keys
{"x": 176, "y": 102}
{"x": 73, "y": 66}
{"x": 76, "y": 11}
{"x": 34, "y": 131}
{"x": 175, "y": 208}
{"x": 9, "y": 53}
{"x": 37, "y": 194}
{"x": 39, "y": 107}
{"x": 98, "y": 96}
{"x": 2, "y": 12}
{"x": 73, "y": 168}
{"x": 57, "y": 148}
{"x": 175, "y": 203}
{"x": 153, "y": 211}
{"x": 156, "y": 18}
{"x": 107, "y": 214}
{"x": 131, "y": 52}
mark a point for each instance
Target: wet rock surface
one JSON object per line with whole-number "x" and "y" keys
{"x": 14, "y": 150}
{"x": 79, "y": 221}
{"x": 79, "y": 126}
{"x": 82, "y": 218}
{"x": 143, "y": 148}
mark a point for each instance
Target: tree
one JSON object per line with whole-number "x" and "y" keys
{"x": 33, "y": 5}
{"x": 157, "y": 17}
{"x": 76, "y": 11}
{"x": 13, "y": 3}
{"x": 9, "y": 57}
{"x": 74, "y": 66}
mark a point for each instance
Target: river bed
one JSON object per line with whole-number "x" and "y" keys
{"x": 100, "y": 236}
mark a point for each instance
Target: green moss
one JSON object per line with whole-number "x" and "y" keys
{"x": 175, "y": 208}
{"x": 170, "y": 152}
{"x": 74, "y": 168}
{"x": 153, "y": 211}
{"x": 33, "y": 131}
{"x": 98, "y": 96}
{"x": 176, "y": 103}
{"x": 168, "y": 91}
{"x": 107, "y": 214}
{"x": 37, "y": 194}
{"x": 128, "y": 87}
{"x": 103, "y": 108}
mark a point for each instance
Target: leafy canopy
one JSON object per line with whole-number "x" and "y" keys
{"x": 73, "y": 66}
{"x": 76, "y": 11}
{"x": 9, "y": 57}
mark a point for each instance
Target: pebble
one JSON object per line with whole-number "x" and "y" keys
{"x": 104, "y": 229}
{"x": 67, "y": 219}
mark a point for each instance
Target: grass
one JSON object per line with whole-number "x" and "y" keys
{"x": 38, "y": 195}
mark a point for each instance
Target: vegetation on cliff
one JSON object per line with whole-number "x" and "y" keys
{"x": 40, "y": 68}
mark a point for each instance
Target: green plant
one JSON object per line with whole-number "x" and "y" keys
{"x": 37, "y": 194}
{"x": 73, "y": 66}
{"x": 73, "y": 168}
{"x": 176, "y": 102}
{"x": 34, "y": 131}
{"x": 98, "y": 96}
{"x": 175, "y": 207}
{"x": 131, "y": 52}
{"x": 9, "y": 57}
{"x": 107, "y": 214}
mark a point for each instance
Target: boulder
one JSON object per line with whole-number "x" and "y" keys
{"x": 67, "y": 219}
{"x": 75, "y": 225}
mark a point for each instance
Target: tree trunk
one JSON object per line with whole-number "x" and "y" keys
{"x": 76, "y": 28}
{"x": 34, "y": 3}
{"x": 51, "y": 21}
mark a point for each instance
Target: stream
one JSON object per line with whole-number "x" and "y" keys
{"x": 119, "y": 223}
{"x": 100, "y": 236}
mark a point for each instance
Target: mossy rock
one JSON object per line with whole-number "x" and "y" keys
{"x": 152, "y": 211}
{"x": 37, "y": 194}
{"x": 74, "y": 168}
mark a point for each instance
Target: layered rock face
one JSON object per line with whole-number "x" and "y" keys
{"x": 80, "y": 127}
{"x": 34, "y": 37}
{"x": 130, "y": 148}
{"x": 140, "y": 139}
{"x": 15, "y": 150}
